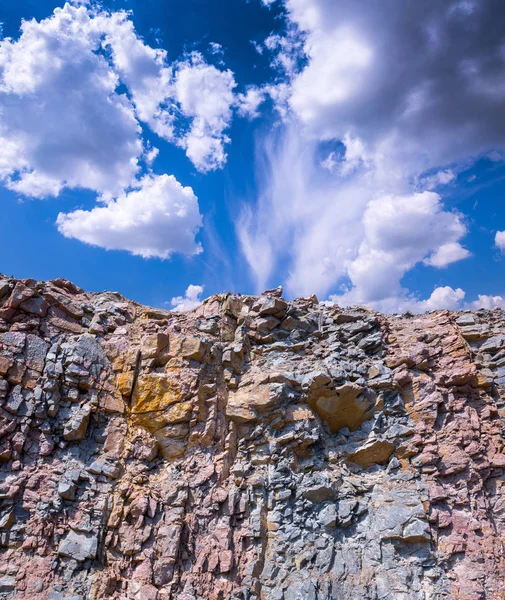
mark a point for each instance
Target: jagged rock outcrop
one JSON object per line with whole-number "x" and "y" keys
{"x": 251, "y": 449}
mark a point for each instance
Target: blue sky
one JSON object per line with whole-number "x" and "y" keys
{"x": 235, "y": 145}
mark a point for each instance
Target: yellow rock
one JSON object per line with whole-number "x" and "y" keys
{"x": 153, "y": 344}
{"x": 298, "y": 412}
{"x": 484, "y": 378}
{"x": 174, "y": 414}
{"x": 349, "y": 405}
{"x": 155, "y": 392}
{"x": 125, "y": 383}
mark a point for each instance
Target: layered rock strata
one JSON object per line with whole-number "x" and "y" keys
{"x": 252, "y": 449}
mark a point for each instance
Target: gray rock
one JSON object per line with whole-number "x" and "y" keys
{"x": 417, "y": 531}
{"x": 466, "y": 319}
{"x": 66, "y": 490}
{"x": 318, "y": 488}
{"x": 345, "y": 512}
{"x": 493, "y": 343}
{"x": 79, "y": 546}
{"x": 76, "y": 427}
{"x": 7, "y": 584}
{"x": 104, "y": 467}
{"x": 328, "y": 516}
{"x": 271, "y": 305}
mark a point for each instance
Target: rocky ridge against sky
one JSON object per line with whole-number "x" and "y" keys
{"x": 251, "y": 449}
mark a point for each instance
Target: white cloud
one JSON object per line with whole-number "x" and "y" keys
{"x": 299, "y": 219}
{"x": 36, "y": 185}
{"x": 188, "y": 102}
{"x": 487, "y": 302}
{"x": 257, "y": 46}
{"x": 144, "y": 70}
{"x": 363, "y": 223}
{"x": 440, "y": 178}
{"x": 499, "y": 240}
{"x": 65, "y": 122}
{"x": 379, "y": 80}
{"x": 285, "y": 50}
{"x": 150, "y": 155}
{"x": 62, "y": 123}
{"x": 216, "y": 48}
{"x": 399, "y": 232}
{"x": 442, "y": 298}
{"x": 205, "y": 95}
{"x": 354, "y": 156}
{"x": 189, "y": 301}
{"x": 157, "y": 219}
{"x": 376, "y": 69}
{"x": 447, "y": 254}
{"x": 249, "y": 102}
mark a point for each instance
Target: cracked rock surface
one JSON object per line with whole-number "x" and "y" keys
{"x": 252, "y": 449}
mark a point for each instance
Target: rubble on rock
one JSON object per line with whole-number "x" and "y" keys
{"x": 250, "y": 449}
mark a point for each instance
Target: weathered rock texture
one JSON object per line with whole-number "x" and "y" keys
{"x": 251, "y": 449}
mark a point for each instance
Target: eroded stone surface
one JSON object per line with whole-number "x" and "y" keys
{"x": 253, "y": 449}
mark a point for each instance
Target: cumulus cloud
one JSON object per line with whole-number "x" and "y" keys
{"x": 249, "y": 102}
{"x": 377, "y": 71}
{"x": 74, "y": 90}
{"x": 447, "y": 254}
{"x": 157, "y": 219}
{"x": 487, "y": 302}
{"x": 444, "y": 177}
{"x": 286, "y": 50}
{"x": 189, "y": 301}
{"x": 144, "y": 70}
{"x": 399, "y": 232}
{"x": 188, "y": 102}
{"x": 205, "y": 95}
{"x": 372, "y": 128}
{"x": 64, "y": 123}
{"x": 444, "y": 297}
{"x": 499, "y": 240}
{"x": 441, "y": 297}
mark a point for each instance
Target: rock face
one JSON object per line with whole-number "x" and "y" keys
{"x": 252, "y": 449}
